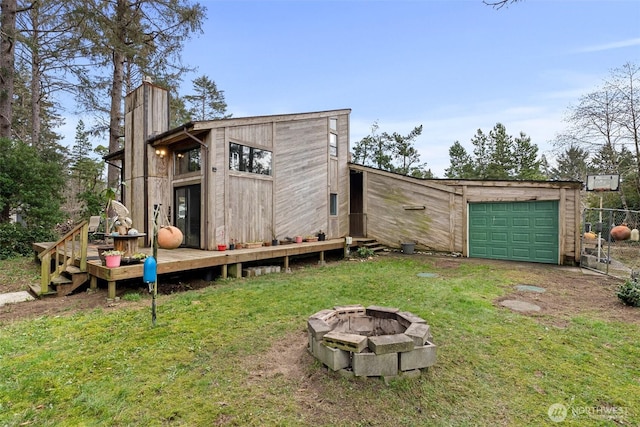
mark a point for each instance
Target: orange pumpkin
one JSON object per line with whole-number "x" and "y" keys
{"x": 590, "y": 235}
{"x": 620, "y": 232}
{"x": 169, "y": 237}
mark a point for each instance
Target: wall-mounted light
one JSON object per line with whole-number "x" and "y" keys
{"x": 161, "y": 152}
{"x": 180, "y": 155}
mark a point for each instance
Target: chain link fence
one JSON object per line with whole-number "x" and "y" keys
{"x": 601, "y": 251}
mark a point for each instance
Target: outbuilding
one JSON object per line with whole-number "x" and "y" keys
{"x": 535, "y": 221}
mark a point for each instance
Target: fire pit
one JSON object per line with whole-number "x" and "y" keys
{"x": 376, "y": 341}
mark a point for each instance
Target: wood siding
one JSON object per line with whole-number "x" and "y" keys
{"x": 242, "y": 206}
{"x": 146, "y": 180}
{"x": 433, "y": 213}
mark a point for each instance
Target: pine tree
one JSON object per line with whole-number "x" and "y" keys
{"x": 207, "y": 102}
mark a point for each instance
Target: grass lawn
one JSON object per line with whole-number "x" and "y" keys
{"x": 234, "y": 354}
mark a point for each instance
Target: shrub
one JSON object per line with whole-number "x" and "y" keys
{"x": 16, "y": 239}
{"x": 629, "y": 293}
{"x": 365, "y": 252}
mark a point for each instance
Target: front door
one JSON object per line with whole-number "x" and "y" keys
{"x": 187, "y": 214}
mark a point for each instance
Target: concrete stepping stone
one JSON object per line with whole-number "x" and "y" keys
{"x": 14, "y": 297}
{"x": 520, "y": 306}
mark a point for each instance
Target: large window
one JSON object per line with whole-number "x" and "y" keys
{"x": 248, "y": 159}
{"x": 188, "y": 161}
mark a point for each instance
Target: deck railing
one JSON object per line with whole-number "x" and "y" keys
{"x": 64, "y": 253}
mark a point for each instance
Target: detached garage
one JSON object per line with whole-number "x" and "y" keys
{"x": 534, "y": 221}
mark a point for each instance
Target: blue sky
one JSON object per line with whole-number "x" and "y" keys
{"x": 453, "y": 66}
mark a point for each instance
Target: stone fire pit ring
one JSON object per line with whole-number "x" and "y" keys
{"x": 371, "y": 342}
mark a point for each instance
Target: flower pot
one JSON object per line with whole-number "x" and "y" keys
{"x": 222, "y": 247}
{"x": 322, "y": 237}
{"x": 274, "y": 242}
{"x": 298, "y": 239}
{"x": 101, "y": 250}
{"x": 112, "y": 261}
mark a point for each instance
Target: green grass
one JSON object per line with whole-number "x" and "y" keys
{"x": 202, "y": 363}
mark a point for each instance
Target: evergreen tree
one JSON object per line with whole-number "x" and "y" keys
{"x": 403, "y": 150}
{"x": 571, "y": 164}
{"x": 461, "y": 163}
{"x": 207, "y": 102}
{"x": 391, "y": 152}
{"x": 30, "y": 185}
{"x": 495, "y": 156}
{"x": 86, "y": 174}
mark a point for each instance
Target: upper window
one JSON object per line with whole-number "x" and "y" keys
{"x": 248, "y": 159}
{"x": 187, "y": 161}
{"x": 333, "y": 144}
{"x": 333, "y": 137}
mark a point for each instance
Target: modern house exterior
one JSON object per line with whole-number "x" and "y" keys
{"x": 259, "y": 178}
{"x": 237, "y": 179}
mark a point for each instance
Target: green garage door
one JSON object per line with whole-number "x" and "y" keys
{"x": 519, "y": 231}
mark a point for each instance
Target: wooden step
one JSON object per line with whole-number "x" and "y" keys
{"x": 373, "y": 245}
{"x": 36, "y": 291}
{"x": 70, "y": 280}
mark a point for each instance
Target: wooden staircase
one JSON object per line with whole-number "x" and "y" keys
{"x": 64, "y": 264}
{"x": 372, "y": 244}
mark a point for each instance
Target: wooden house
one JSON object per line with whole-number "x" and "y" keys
{"x": 260, "y": 178}
{"x": 535, "y": 221}
{"x": 238, "y": 179}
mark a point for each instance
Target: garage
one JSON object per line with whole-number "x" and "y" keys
{"x": 519, "y": 231}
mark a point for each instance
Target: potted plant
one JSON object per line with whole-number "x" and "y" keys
{"x": 112, "y": 258}
{"x": 274, "y": 238}
{"x": 253, "y": 245}
{"x": 321, "y": 236}
{"x": 101, "y": 250}
{"x": 311, "y": 238}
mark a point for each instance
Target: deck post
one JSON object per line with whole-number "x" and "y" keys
{"x": 225, "y": 272}
{"x": 322, "y": 262}
{"x": 111, "y": 289}
{"x": 93, "y": 283}
{"x": 235, "y": 270}
{"x": 286, "y": 264}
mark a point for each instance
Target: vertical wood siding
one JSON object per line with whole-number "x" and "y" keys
{"x": 143, "y": 170}
{"x": 394, "y": 204}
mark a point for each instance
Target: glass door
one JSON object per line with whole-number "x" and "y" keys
{"x": 187, "y": 214}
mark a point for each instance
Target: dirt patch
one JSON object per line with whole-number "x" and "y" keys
{"x": 570, "y": 292}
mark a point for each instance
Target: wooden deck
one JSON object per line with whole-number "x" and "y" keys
{"x": 183, "y": 259}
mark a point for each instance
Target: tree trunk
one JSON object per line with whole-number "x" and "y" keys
{"x": 36, "y": 80}
{"x": 7, "y": 58}
{"x": 115, "y": 111}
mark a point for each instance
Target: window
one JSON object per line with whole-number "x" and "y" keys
{"x": 248, "y": 159}
{"x": 187, "y": 161}
{"x": 333, "y": 136}
{"x": 333, "y": 204}
{"x": 333, "y": 144}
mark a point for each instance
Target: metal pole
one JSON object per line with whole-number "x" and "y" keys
{"x": 156, "y": 211}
